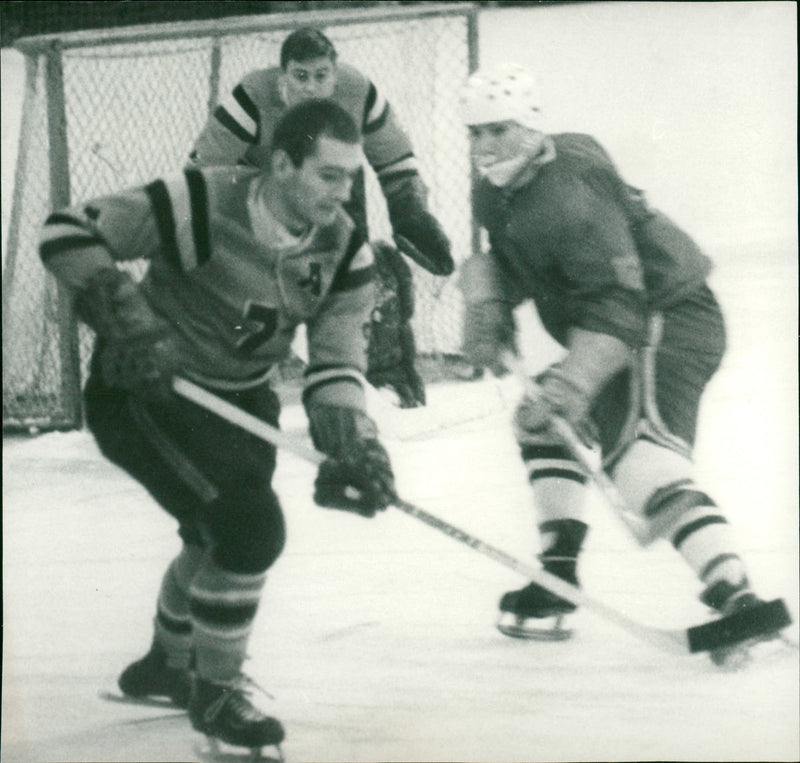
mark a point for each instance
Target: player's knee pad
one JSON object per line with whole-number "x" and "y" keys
{"x": 249, "y": 539}
{"x": 557, "y": 480}
{"x": 657, "y": 484}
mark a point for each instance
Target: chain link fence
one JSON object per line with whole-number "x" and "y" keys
{"x": 104, "y": 111}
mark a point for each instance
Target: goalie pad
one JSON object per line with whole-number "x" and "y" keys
{"x": 391, "y": 350}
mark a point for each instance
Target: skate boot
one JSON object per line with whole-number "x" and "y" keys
{"x": 727, "y": 599}
{"x": 534, "y": 612}
{"x": 153, "y": 677}
{"x": 224, "y": 713}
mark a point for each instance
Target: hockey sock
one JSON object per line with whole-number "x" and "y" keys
{"x": 704, "y": 539}
{"x": 223, "y": 605}
{"x": 173, "y": 626}
{"x": 557, "y": 481}
{"x": 562, "y": 540}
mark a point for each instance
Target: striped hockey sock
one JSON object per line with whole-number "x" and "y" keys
{"x": 223, "y": 605}
{"x": 173, "y": 625}
{"x": 705, "y": 540}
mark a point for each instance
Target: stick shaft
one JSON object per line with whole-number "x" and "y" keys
{"x": 673, "y": 641}
{"x": 246, "y": 421}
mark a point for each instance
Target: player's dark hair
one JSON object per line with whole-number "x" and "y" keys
{"x": 300, "y": 126}
{"x": 305, "y": 44}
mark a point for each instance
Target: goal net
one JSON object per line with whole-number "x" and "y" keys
{"x": 103, "y": 111}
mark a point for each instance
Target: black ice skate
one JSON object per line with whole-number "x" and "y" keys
{"x": 224, "y": 713}
{"x": 153, "y": 678}
{"x": 728, "y": 599}
{"x": 535, "y": 613}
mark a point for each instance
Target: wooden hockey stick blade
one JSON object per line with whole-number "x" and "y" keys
{"x": 674, "y": 641}
{"x": 762, "y": 619}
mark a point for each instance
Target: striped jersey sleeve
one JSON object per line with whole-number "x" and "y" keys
{"x": 336, "y": 335}
{"x": 239, "y": 123}
{"x": 386, "y": 144}
{"x": 165, "y": 221}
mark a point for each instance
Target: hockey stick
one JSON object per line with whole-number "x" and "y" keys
{"x": 699, "y": 638}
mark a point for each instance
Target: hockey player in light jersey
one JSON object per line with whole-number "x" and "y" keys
{"x": 624, "y": 291}
{"x": 238, "y": 258}
{"x": 240, "y": 128}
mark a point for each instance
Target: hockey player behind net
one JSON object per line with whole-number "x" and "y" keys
{"x": 238, "y": 258}
{"x": 624, "y": 291}
{"x": 240, "y": 129}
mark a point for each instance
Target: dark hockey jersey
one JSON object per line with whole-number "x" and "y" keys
{"x": 228, "y": 278}
{"x": 240, "y": 129}
{"x": 585, "y": 246}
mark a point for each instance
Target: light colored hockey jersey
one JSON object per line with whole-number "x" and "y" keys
{"x": 240, "y": 129}
{"x": 228, "y": 278}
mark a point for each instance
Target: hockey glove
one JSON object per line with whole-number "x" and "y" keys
{"x": 556, "y": 395}
{"x": 489, "y": 331}
{"x": 409, "y": 389}
{"x": 137, "y": 348}
{"x": 419, "y": 236}
{"x": 357, "y": 475}
{"x": 413, "y": 381}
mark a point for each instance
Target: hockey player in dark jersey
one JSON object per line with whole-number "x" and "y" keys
{"x": 624, "y": 291}
{"x": 239, "y": 131}
{"x": 238, "y": 258}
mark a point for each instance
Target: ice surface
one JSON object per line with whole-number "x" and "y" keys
{"x": 376, "y": 638}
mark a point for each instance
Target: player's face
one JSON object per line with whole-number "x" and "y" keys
{"x": 496, "y": 142}
{"x": 315, "y": 78}
{"x": 316, "y": 190}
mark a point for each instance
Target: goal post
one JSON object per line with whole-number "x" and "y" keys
{"x": 108, "y": 109}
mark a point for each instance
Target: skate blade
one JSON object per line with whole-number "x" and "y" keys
{"x": 534, "y": 628}
{"x": 212, "y": 750}
{"x": 126, "y": 699}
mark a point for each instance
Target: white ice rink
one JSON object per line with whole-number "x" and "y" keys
{"x": 376, "y": 638}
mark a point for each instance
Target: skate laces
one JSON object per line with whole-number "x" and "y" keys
{"x": 248, "y": 685}
{"x": 236, "y": 694}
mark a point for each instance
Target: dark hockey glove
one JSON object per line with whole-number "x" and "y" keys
{"x": 137, "y": 348}
{"x": 489, "y": 331}
{"x": 416, "y": 387}
{"x": 556, "y": 395}
{"x": 357, "y": 475}
{"x": 410, "y": 393}
{"x": 413, "y": 380}
{"x": 419, "y": 236}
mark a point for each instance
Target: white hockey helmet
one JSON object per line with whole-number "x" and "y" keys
{"x": 506, "y": 93}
